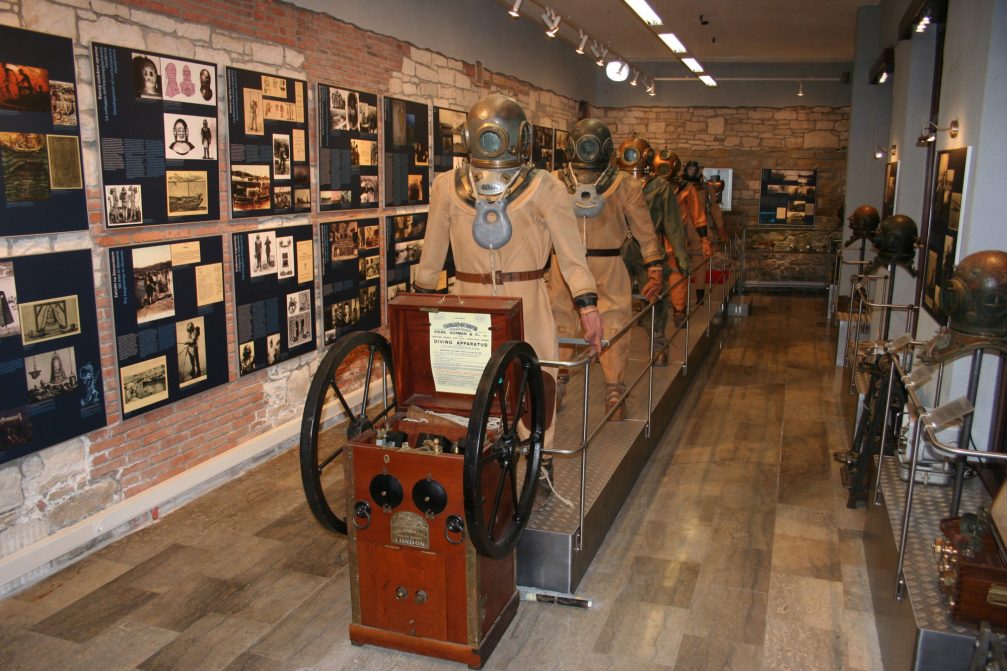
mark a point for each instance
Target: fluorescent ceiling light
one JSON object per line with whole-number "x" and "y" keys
{"x": 617, "y": 71}
{"x": 673, "y": 43}
{"x": 645, "y": 12}
{"x": 708, "y": 80}
{"x": 692, "y": 64}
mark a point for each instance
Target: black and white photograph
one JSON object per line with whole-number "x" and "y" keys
{"x": 282, "y": 197}
{"x": 302, "y": 175}
{"x": 299, "y": 329}
{"x": 63, "y": 99}
{"x": 363, "y": 152}
{"x": 343, "y": 240}
{"x": 190, "y": 137}
{"x": 302, "y": 199}
{"x": 415, "y": 187}
{"x": 408, "y": 252}
{"x": 345, "y": 313}
{"x": 262, "y": 253}
{"x": 394, "y": 289}
{"x": 368, "y": 118}
{"x": 370, "y": 237}
{"x": 10, "y": 325}
{"x": 187, "y": 82}
{"x": 246, "y": 357}
{"x": 370, "y": 268}
{"x": 253, "y": 116}
{"x": 949, "y": 194}
{"x": 421, "y": 153}
{"x": 250, "y": 187}
{"x": 452, "y": 123}
{"x": 190, "y": 344}
{"x": 368, "y": 298}
{"x": 298, "y": 302}
{"x": 153, "y": 283}
{"x": 400, "y": 136}
{"x": 337, "y": 110}
{"x": 285, "y": 251}
{"x": 124, "y": 204}
{"x": 274, "y": 87}
{"x": 891, "y": 189}
{"x": 368, "y": 189}
{"x": 281, "y": 156}
{"x": 188, "y": 193}
{"x": 408, "y": 227}
{"x": 50, "y": 374}
{"x": 49, "y": 319}
{"x": 144, "y": 383}
{"x": 64, "y": 162}
{"x": 147, "y": 76}
{"x": 272, "y": 348}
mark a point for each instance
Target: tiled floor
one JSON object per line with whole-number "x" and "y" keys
{"x": 734, "y": 551}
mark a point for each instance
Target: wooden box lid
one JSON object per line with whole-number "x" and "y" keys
{"x": 409, "y": 320}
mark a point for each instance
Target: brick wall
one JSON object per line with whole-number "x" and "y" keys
{"x": 54, "y": 488}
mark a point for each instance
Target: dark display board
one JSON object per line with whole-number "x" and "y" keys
{"x": 407, "y": 153}
{"x": 542, "y": 147}
{"x": 788, "y": 197}
{"x": 404, "y": 245}
{"x": 41, "y": 183}
{"x": 560, "y": 140}
{"x": 449, "y": 150}
{"x": 274, "y": 291}
{"x": 351, "y": 275}
{"x": 51, "y": 388}
{"x": 170, "y": 323}
{"x": 891, "y": 189}
{"x": 157, "y": 122}
{"x": 267, "y": 118}
{"x": 942, "y": 235}
{"x": 347, "y": 149}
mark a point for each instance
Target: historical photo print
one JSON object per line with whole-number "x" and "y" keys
{"x": 451, "y": 123}
{"x": 63, "y": 99}
{"x": 949, "y": 190}
{"x": 187, "y": 82}
{"x": 368, "y": 189}
{"x": 252, "y": 103}
{"x": 246, "y": 357}
{"x": 24, "y": 88}
{"x": 370, "y": 237}
{"x": 64, "y": 162}
{"x": 272, "y": 348}
{"x": 370, "y": 268}
{"x": 363, "y": 152}
{"x": 274, "y": 87}
{"x": 190, "y": 137}
{"x": 50, "y": 374}
{"x": 343, "y": 240}
{"x": 144, "y": 383}
{"x": 124, "y": 204}
{"x": 299, "y": 329}
{"x": 286, "y": 267}
{"x": 49, "y": 319}
{"x": 415, "y": 187}
{"x": 188, "y": 193}
{"x": 10, "y": 325}
{"x": 250, "y": 187}
{"x": 344, "y": 110}
{"x": 368, "y": 298}
{"x": 16, "y": 423}
{"x": 282, "y": 197}
{"x": 281, "y": 156}
{"x": 25, "y": 167}
{"x": 302, "y": 199}
{"x": 190, "y": 343}
{"x": 262, "y": 253}
{"x": 153, "y": 283}
{"x": 147, "y": 76}
{"x": 891, "y": 187}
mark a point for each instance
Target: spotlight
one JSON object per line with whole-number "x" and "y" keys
{"x": 599, "y": 52}
{"x": 800, "y": 89}
{"x": 636, "y": 76}
{"x": 879, "y": 152}
{"x": 929, "y": 133}
{"x": 551, "y": 20}
{"x": 515, "y": 11}
{"x": 583, "y": 42}
{"x": 883, "y": 78}
{"x": 692, "y": 64}
{"x": 924, "y": 22}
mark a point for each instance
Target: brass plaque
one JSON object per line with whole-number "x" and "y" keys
{"x": 411, "y": 530}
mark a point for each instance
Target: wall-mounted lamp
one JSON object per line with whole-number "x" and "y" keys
{"x": 583, "y": 42}
{"x": 551, "y": 20}
{"x": 515, "y": 11}
{"x": 882, "y": 70}
{"x": 919, "y": 15}
{"x": 880, "y": 152}
{"x": 800, "y": 89}
{"x": 929, "y": 133}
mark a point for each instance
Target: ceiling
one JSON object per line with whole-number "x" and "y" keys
{"x": 758, "y": 31}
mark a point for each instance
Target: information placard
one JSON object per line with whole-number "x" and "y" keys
{"x": 347, "y": 149}
{"x": 51, "y": 387}
{"x": 170, "y": 323}
{"x": 460, "y": 348}
{"x": 351, "y": 275}
{"x": 274, "y": 292}
{"x": 157, "y": 122}
{"x": 267, "y": 120}
{"x": 41, "y": 183}
{"x": 407, "y": 152}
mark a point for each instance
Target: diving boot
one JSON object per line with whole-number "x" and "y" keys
{"x": 562, "y": 379}
{"x": 545, "y": 479}
{"x": 612, "y": 394}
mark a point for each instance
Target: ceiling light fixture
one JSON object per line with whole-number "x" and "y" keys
{"x": 800, "y": 89}
{"x": 551, "y": 20}
{"x": 515, "y": 11}
{"x": 652, "y": 89}
{"x": 645, "y": 12}
{"x": 673, "y": 43}
{"x": 583, "y": 41}
{"x": 617, "y": 71}
{"x": 599, "y": 52}
{"x": 692, "y": 64}
{"x": 636, "y": 77}
{"x": 708, "y": 80}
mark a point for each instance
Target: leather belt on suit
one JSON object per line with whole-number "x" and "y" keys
{"x": 602, "y": 252}
{"x": 501, "y": 277}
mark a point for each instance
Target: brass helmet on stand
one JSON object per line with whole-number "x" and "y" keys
{"x": 667, "y": 164}
{"x": 590, "y": 145}
{"x": 635, "y": 155}
{"x": 864, "y": 221}
{"x": 497, "y": 134}
{"x": 975, "y": 302}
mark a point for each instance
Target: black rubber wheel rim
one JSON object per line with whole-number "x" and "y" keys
{"x": 321, "y": 450}
{"x": 500, "y": 476}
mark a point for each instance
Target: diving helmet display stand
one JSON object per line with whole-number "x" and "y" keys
{"x": 438, "y": 478}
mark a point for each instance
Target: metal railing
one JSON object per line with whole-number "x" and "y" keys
{"x": 588, "y": 433}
